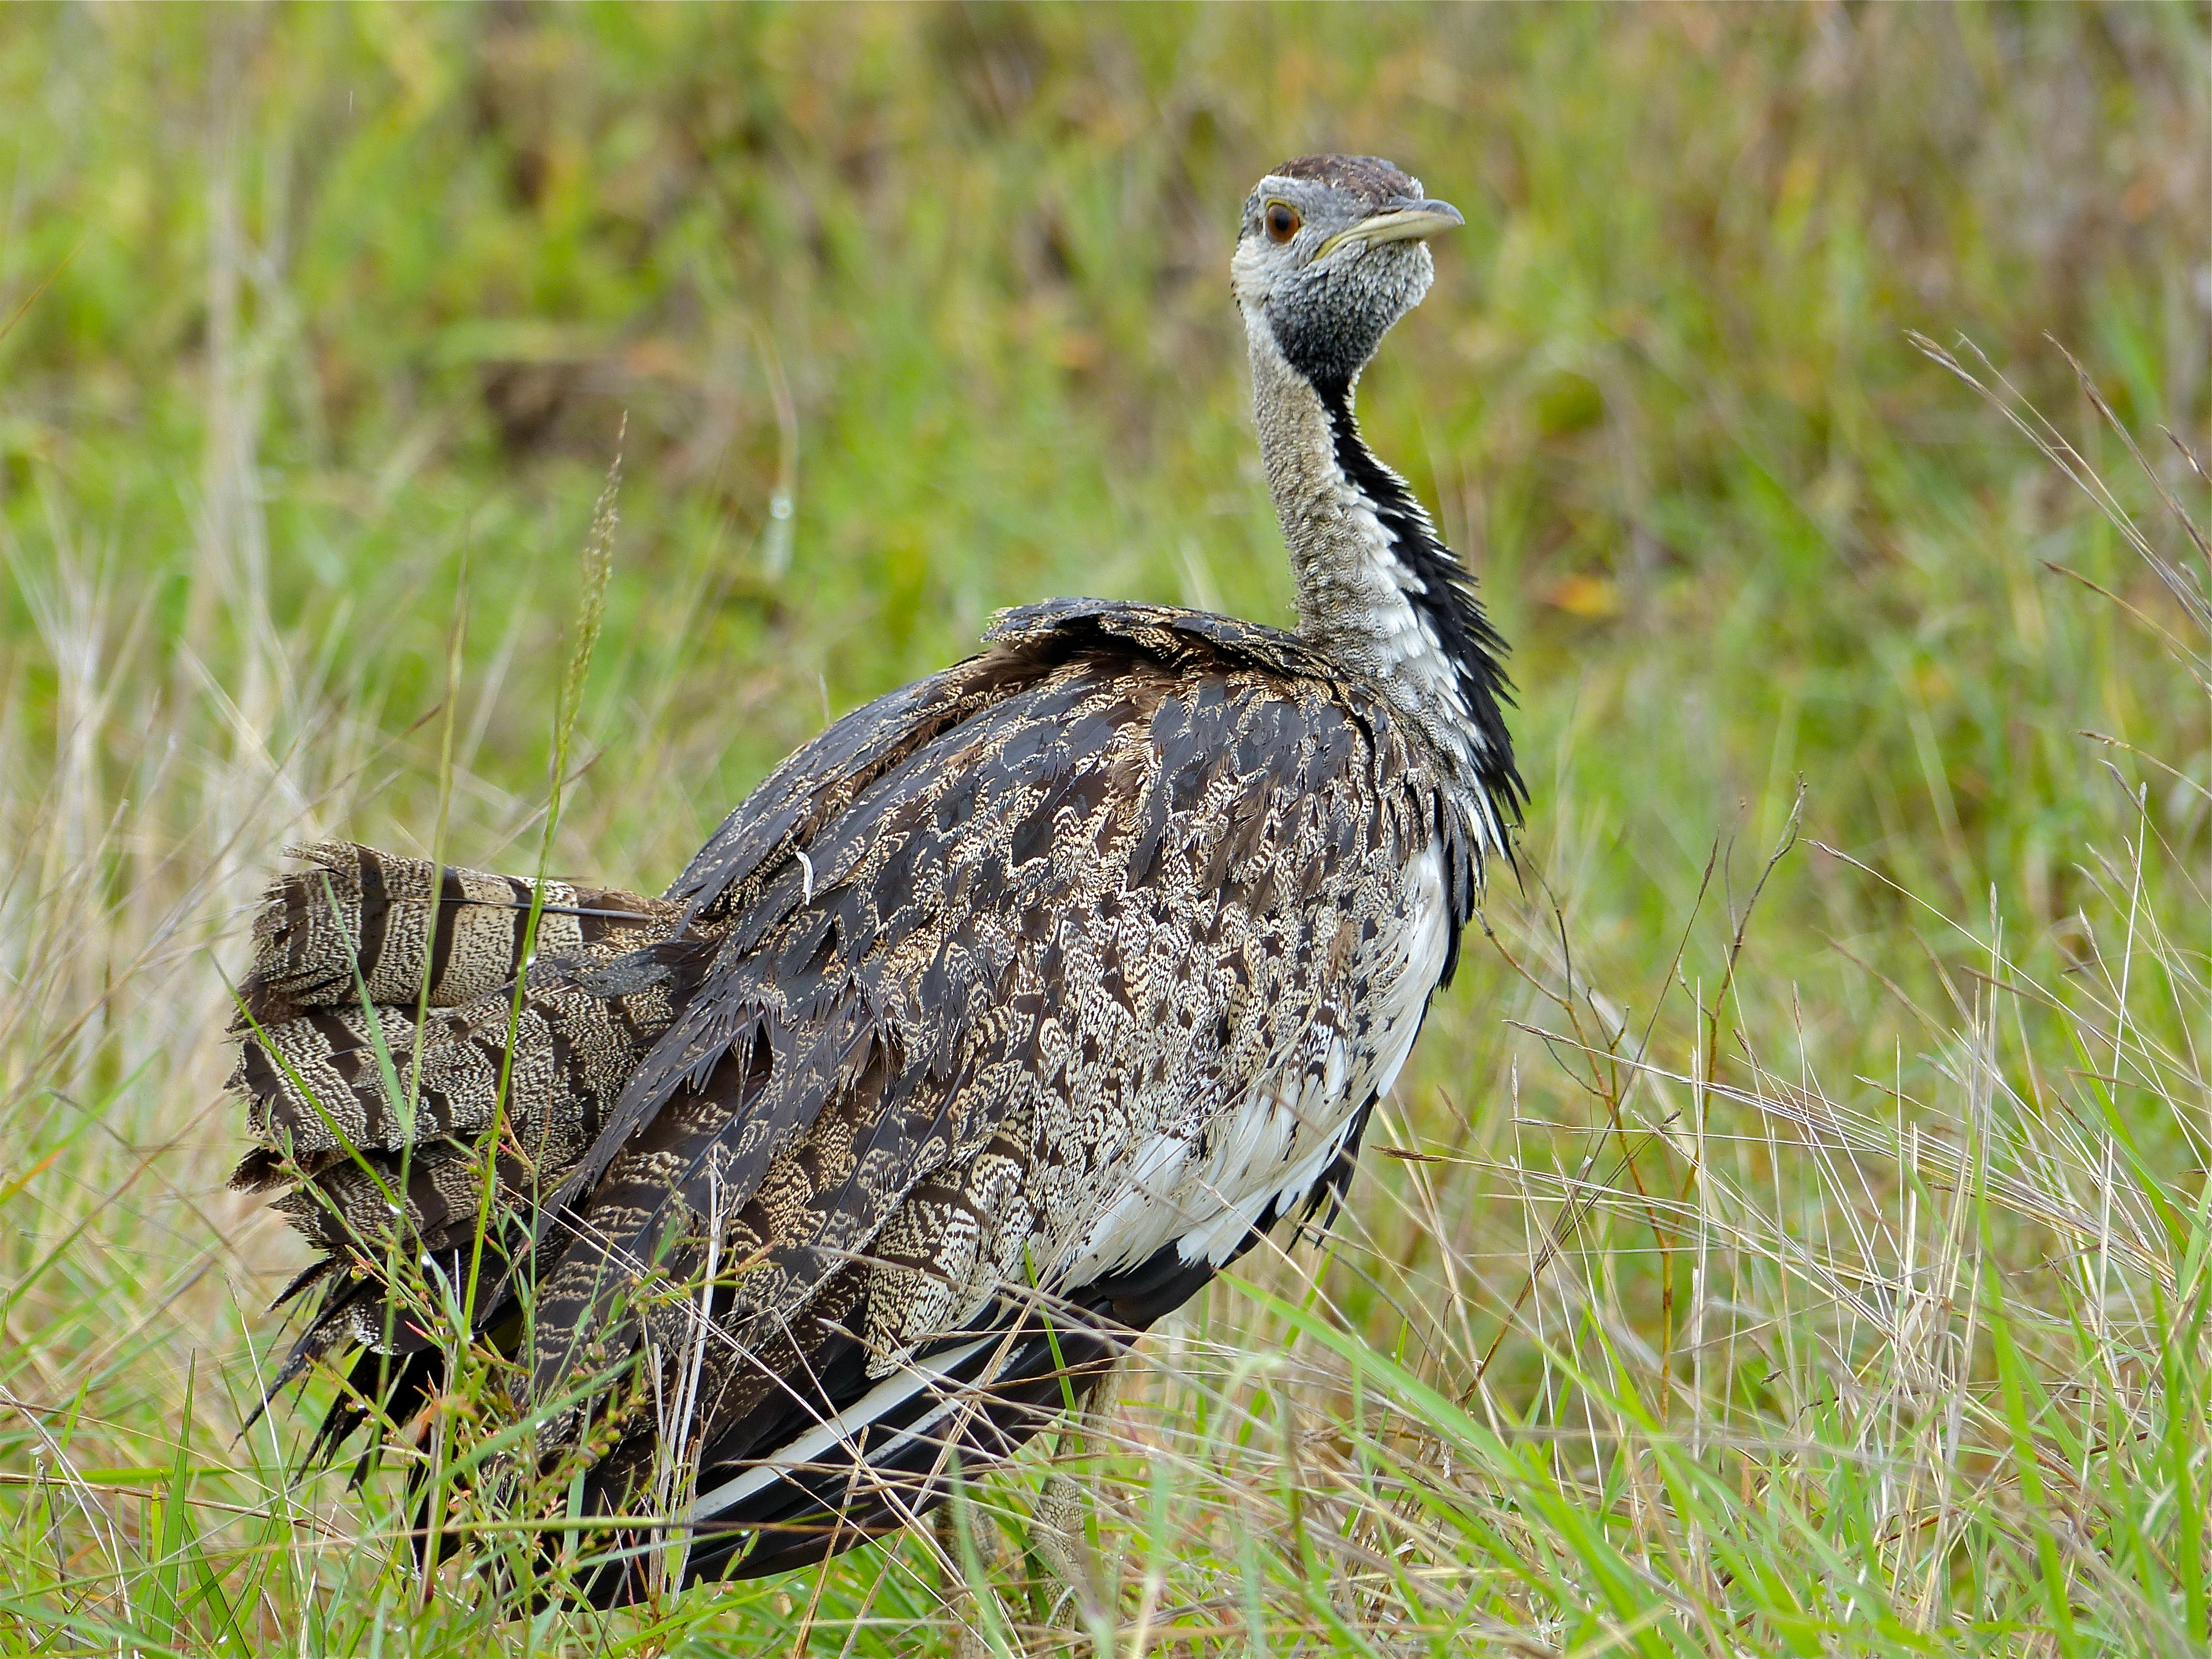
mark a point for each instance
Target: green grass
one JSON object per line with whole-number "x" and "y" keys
{"x": 1825, "y": 1277}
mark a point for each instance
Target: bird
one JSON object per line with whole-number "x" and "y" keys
{"x": 999, "y": 1019}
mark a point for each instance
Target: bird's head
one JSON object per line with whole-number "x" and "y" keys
{"x": 1333, "y": 250}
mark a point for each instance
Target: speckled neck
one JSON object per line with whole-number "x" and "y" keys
{"x": 1377, "y": 588}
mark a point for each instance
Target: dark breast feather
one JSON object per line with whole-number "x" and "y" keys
{"x": 896, "y": 992}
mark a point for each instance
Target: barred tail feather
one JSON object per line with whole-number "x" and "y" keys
{"x": 327, "y": 1085}
{"x": 381, "y": 1126}
{"x": 400, "y": 926}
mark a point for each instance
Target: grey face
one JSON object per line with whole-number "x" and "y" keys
{"x": 1333, "y": 250}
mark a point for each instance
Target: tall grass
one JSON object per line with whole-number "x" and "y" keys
{"x": 1793, "y": 1236}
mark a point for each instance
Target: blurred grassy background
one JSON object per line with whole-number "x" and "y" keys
{"x": 950, "y": 283}
{"x": 327, "y": 322}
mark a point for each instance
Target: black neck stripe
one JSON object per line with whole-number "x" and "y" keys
{"x": 1447, "y": 602}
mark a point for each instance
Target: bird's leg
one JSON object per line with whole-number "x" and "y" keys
{"x": 1056, "y": 1532}
{"x": 1062, "y": 1527}
{"x": 977, "y": 1549}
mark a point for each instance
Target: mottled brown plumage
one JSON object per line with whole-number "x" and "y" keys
{"x": 360, "y": 1120}
{"x": 988, "y": 1028}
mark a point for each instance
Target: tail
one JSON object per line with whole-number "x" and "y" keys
{"x": 363, "y": 920}
{"x": 417, "y": 1063}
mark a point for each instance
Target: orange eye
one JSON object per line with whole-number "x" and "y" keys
{"x": 1283, "y": 221}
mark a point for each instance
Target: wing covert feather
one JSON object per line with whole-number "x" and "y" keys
{"x": 1096, "y": 883}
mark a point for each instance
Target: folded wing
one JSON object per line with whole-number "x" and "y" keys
{"x": 1039, "y": 991}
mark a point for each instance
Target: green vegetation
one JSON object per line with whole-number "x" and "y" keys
{"x": 1845, "y": 1293}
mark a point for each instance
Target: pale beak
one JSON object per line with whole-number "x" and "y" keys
{"x": 1400, "y": 221}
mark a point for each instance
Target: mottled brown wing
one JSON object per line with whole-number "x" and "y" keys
{"x": 759, "y": 843}
{"x": 1116, "y": 869}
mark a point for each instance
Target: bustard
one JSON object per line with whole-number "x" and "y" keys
{"x": 1001, "y": 1017}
